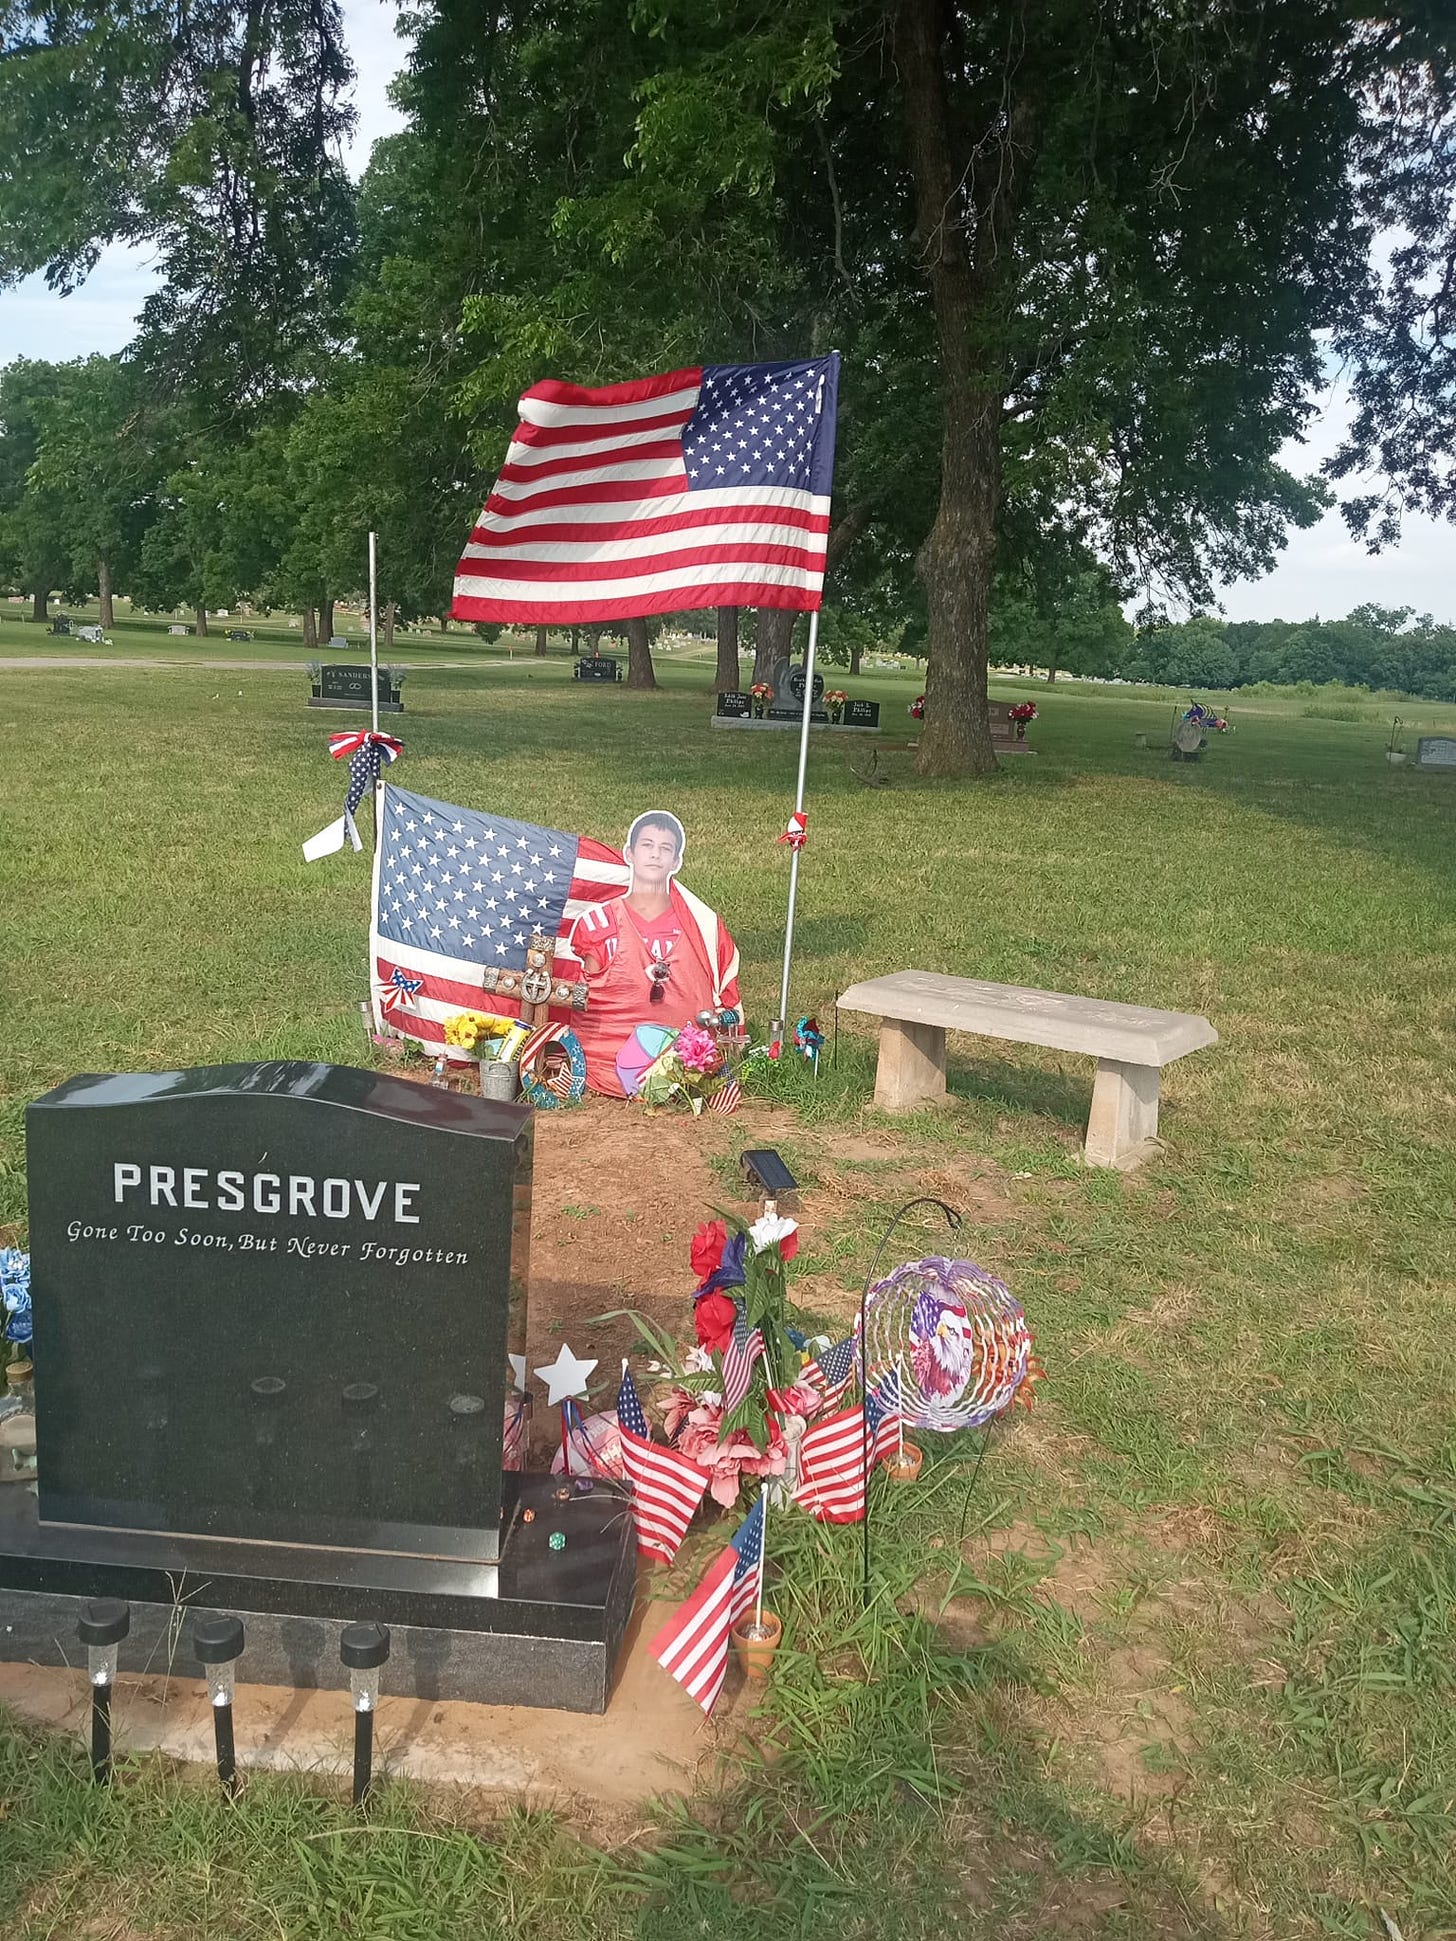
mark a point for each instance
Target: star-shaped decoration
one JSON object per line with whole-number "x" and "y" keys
{"x": 566, "y": 1377}
{"x": 518, "y": 1369}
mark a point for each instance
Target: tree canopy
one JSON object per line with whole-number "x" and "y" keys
{"x": 1084, "y": 265}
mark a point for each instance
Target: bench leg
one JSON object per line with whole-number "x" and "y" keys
{"x": 1123, "y": 1128}
{"x": 911, "y": 1070}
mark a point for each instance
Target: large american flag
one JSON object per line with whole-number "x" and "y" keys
{"x": 666, "y": 1487}
{"x": 456, "y": 892}
{"x": 701, "y": 487}
{"x": 693, "y": 1644}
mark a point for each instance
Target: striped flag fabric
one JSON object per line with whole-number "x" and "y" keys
{"x": 882, "y": 1424}
{"x": 831, "y": 1373}
{"x": 666, "y": 1487}
{"x": 738, "y": 1359}
{"x": 457, "y": 893}
{"x": 707, "y": 486}
{"x": 693, "y": 1644}
{"x": 831, "y": 1482}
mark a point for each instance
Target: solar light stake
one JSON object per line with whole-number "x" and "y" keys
{"x": 103, "y": 1623}
{"x": 363, "y": 1649}
{"x": 218, "y": 1642}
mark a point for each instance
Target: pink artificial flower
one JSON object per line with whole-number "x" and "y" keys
{"x": 797, "y": 1399}
{"x": 697, "y": 1050}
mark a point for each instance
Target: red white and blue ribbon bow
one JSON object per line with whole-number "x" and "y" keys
{"x": 399, "y": 991}
{"x": 366, "y": 750}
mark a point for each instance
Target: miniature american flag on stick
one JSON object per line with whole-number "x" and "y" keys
{"x": 693, "y": 1645}
{"x": 707, "y": 486}
{"x": 666, "y": 1487}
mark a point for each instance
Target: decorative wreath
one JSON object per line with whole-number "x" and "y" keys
{"x": 567, "y": 1084}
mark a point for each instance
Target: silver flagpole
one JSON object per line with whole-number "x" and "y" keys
{"x": 373, "y": 638}
{"x": 781, "y": 1022}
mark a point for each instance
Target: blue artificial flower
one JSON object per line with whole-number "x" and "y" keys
{"x": 729, "y": 1272}
{"x": 15, "y": 1287}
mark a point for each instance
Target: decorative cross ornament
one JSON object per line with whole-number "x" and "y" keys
{"x": 536, "y": 986}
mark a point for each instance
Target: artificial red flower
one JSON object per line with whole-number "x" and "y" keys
{"x": 713, "y": 1319}
{"x": 707, "y": 1248}
{"x": 789, "y": 1246}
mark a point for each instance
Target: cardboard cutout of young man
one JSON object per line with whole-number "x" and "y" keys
{"x": 653, "y": 959}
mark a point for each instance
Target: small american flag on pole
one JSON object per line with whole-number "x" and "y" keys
{"x": 738, "y": 1359}
{"x": 707, "y": 486}
{"x": 831, "y": 1482}
{"x": 830, "y": 1373}
{"x": 666, "y": 1487}
{"x": 693, "y": 1644}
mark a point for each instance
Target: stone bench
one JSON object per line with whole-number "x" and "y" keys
{"x": 1130, "y": 1044}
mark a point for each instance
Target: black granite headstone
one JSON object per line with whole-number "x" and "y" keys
{"x": 597, "y": 667}
{"x": 342, "y": 684}
{"x": 861, "y": 714}
{"x": 735, "y": 705}
{"x": 275, "y": 1303}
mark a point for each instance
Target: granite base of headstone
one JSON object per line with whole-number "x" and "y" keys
{"x": 343, "y": 685}
{"x": 276, "y": 1307}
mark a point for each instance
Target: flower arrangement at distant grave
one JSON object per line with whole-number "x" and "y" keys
{"x": 1205, "y": 718}
{"x": 692, "y": 1067}
{"x": 15, "y": 1294}
{"x": 835, "y": 702}
{"x": 1021, "y": 714}
{"x": 761, "y": 694}
{"x": 917, "y": 708}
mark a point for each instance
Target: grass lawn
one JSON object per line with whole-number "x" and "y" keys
{"x": 1188, "y": 1669}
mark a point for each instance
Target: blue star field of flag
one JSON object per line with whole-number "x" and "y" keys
{"x": 630, "y": 1412}
{"x": 837, "y": 1363}
{"x": 761, "y": 425}
{"x": 468, "y": 886}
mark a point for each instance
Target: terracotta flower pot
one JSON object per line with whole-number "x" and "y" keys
{"x": 905, "y": 1466}
{"x": 756, "y": 1654}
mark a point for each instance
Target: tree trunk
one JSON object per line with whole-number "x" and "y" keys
{"x": 444, "y": 623}
{"x": 576, "y": 643}
{"x": 391, "y": 610}
{"x": 39, "y": 601}
{"x": 540, "y": 643}
{"x": 772, "y": 638}
{"x": 310, "y": 628}
{"x": 854, "y": 657}
{"x": 202, "y": 623}
{"x": 640, "y": 671}
{"x": 594, "y": 641}
{"x": 725, "y": 681}
{"x": 1051, "y": 672}
{"x": 966, "y": 207}
{"x": 326, "y": 620}
{"x": 103, "y": 590}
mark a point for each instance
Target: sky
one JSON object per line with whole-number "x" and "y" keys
{"x": 1322, "y": 571}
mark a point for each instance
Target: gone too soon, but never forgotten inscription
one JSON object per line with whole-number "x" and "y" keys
{"x": 276, "y": 1303}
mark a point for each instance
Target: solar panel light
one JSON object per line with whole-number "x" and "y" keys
{"x": 766, "y": 1173}
{"x": 364, "y": 1649}
{"x": 218, "y": 1642}
{"x": 102, "y": 1625}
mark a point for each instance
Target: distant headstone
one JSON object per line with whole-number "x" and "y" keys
{"x": 93, "y": 635}
{"x": 179, "y": 630}
{"x": 239, "y": 633}
{"x": 346, "y": 685}
{"x": 1436, "y": 751}
{"x": 1187, "y": 741}
{"x": 266, "y": 1296}
{"x": 338, "y": 642}
{"x": 61, "y": 624}
{"x": 861, "y": 714}
{"x": 597, "y": 667}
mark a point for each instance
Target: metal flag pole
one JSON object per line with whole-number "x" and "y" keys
{"x": 796, "y": 829}
{"x": 374, "y": 679}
